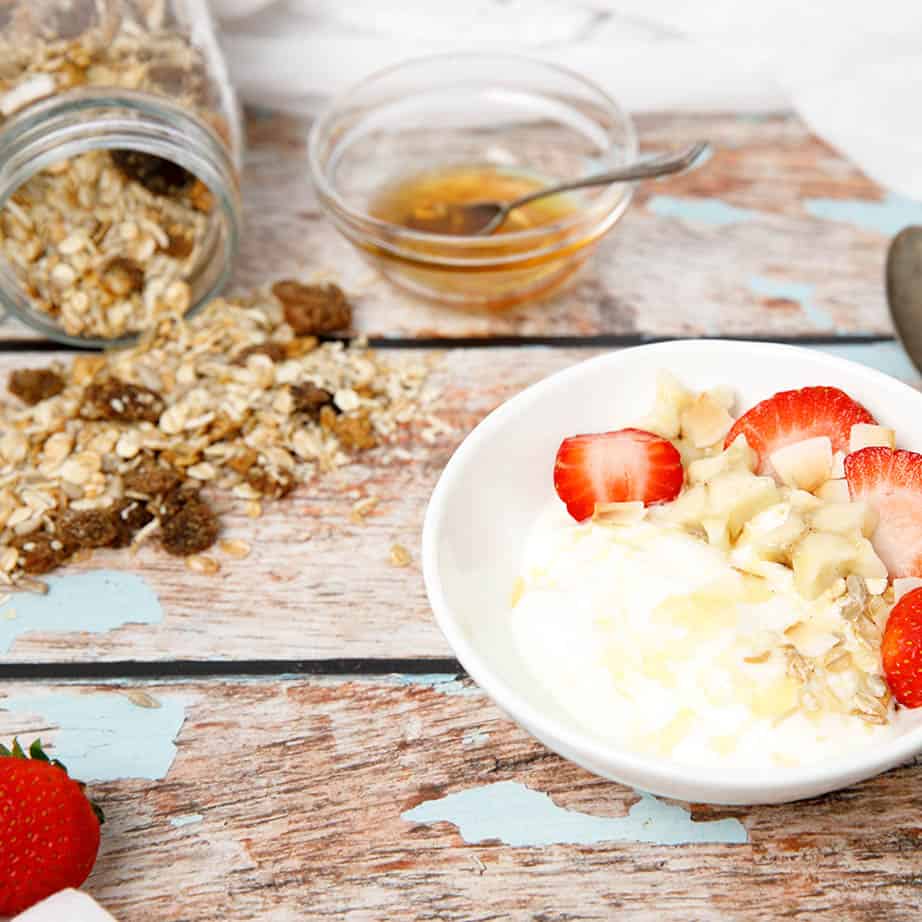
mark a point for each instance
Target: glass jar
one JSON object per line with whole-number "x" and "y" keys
{"x": 120, "y": 151}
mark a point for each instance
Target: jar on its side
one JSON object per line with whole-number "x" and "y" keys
{"x": 120, "y": 151}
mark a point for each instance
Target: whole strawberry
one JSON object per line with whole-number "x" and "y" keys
{"x": 49, "y": 831}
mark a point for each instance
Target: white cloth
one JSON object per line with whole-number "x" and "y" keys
{"x": 66, "y": 906}
{"x": 853, "y": 70}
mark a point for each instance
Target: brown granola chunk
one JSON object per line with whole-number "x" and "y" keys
{"x": 41, "y": 553}
{"x": 151, "y": 478}
{"x": 313, "y": 308}
{"x": 354, "y": 431}
{"x": 122, "y": 276}
{"x": 272, "y": 484}
{"x": 179, "y": 243}
{"x": 130, "y": 516}
{"x": 189, "y": 525}
{"x": 122, "y": 402}
{"x": 310, "y": 399}
{"x": 87, "y": 528}
{"x": 156, "y": 174}
{"x": 275, "y": 351}
{"x": 33, "y": 385}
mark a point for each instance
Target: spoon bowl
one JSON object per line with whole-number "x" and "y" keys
{"x": 904, "y": 290}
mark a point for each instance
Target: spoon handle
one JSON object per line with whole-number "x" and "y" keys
{"x": 644, "y": 169}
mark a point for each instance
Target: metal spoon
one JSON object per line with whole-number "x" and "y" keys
{"x": 904, "y": 290}
{"x": 478, "y": 219}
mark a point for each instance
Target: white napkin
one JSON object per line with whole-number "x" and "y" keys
{"x": 66, "y": 906}
{"x": 852, "y": 69}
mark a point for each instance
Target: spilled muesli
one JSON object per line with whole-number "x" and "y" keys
{"x": 113, "y": 450}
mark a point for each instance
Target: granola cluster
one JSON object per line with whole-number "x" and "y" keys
{"x": 112, "y": 450}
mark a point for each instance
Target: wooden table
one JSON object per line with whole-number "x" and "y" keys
{"x": 291, "y": 739}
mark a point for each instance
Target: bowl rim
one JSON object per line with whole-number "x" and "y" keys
{"x": 865, "y": 762}
{"x": 618, "y": 195}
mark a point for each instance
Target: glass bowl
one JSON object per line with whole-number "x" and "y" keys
{"x": 512, "y": 115}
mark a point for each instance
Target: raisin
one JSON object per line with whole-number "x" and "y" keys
{"x": 189, "y": 525}
{"x": 125, "y": 403}
{"x": 41, "y": 553}
{"x": 33, "y": 385}
{"x": 151, "y": 478}
{"x": 122, "y": 276}
{"x": 310, "y": 399}
{"x": 275, "y": 351}
{"x": 157, "y": 174}
{"x": 130, "y": 516}
{"x": 313, "y": 308}
{"x": 354, "y": 431}
{"x": 87, "y": 528}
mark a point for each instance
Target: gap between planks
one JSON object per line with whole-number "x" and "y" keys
{"x": 192, "y": 669}
{"x": 504, "y": 342}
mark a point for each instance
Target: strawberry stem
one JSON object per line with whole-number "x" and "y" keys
{"x": 38, "y": 754}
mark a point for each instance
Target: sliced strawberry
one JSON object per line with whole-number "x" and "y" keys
{"x": 901, "y": 650}
{"x": 616, "y": 467}
{"x": 891, "y": 481}
{"x": 792, "y": 416}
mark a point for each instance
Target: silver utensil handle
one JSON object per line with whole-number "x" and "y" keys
{"x": 644, "y": 169}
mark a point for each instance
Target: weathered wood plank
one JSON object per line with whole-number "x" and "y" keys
{"x": 743, "y": 246}
{"x": 290, "y": 800}
{"x": 317, "y": 584}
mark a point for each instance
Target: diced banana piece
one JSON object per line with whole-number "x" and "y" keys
{"x": 806, "y": 464}
{"x": 739, "y": 456}
{"x": 904, "y": 584}
{"x": 671, "y": 399}
{"x": 739, "y": 495}
{"x": 704, "y": 421}
{"x": 820, "y": 559}
{"x": 868, "y": 435}
{"x": 688, "y": 508}
{"x": 846, "y": 518}
{"x": 772, "y": 533}
{"x": 716, "y": 531}
{"x": 838, "y": 465}
{"x": 724, "y": 396}
{"x": 867, "y": 563}
{"x": 834, "y": 491}
{"x": 804, "y": 501}
{"x": 619, "y": 513}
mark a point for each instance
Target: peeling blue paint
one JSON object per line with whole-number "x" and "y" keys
{"x": 443, "y": 682}
{"x": 799, "y": 292}
{"x": 516, "y": 815}
{"x": 189, "y": 819}
{"x": 94, "y": 602}
{"x": 888, "y": 216}
{"x": 701, "y": 210}
{"x": 890, "y": 358}
{"x": 475, "y": 738}
{"x": 103, "y": 736}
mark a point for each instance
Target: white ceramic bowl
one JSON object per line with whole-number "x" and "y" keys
{"x": 491, "y": 490}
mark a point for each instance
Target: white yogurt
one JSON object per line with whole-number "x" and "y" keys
{"x": 650, "y": 638}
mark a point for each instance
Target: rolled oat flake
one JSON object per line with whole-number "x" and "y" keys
{"x": 137, "y": 219}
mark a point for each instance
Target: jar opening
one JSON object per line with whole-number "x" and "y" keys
{"x": 117, "y": 210}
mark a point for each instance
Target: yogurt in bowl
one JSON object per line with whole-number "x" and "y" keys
{"x": 720, "y": 641}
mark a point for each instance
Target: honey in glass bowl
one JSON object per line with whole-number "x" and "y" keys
{"x": 423, "y": 201}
